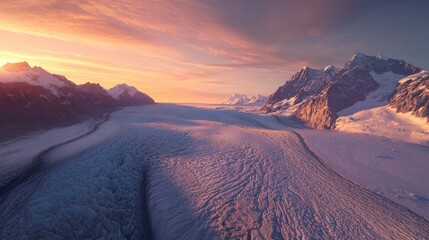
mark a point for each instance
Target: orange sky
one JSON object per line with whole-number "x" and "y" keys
{"x": 176, "y": 51}
{"x": 160, "y": 47}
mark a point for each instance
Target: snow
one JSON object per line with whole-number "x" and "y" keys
{"x": 35, "y": 76}
{"x": 385, "y": 121}
{"x": 116, "y": 91}
{"x": 201, "y": 173}
{"x": 414, "y": 76}
{"x": 287, "y": 107}
{"x": 245, "y": 100}
{"x": 380, "y": 56}
{"x": 387, "y": 81}
{"x": 16, "y": 155}
{"x": 331, "y": 68}
{"x": 373, "y": 117}
{"x": 390, "y": 167}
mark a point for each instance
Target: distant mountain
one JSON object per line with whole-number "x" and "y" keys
{"x": 129, "y": 95}
{"x": 364, "y": 82}
{"x": 245, "y": 100}
{"x": 32, "y": 98}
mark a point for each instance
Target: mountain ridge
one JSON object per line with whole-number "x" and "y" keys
{"x": 246, "y": 100}
{"x": 32, "y": 98}
{"x": 350, "y": 85}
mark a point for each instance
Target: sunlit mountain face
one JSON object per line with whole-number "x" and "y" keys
{"x": 205, "y": 51}
{"x": 190, "y": 119}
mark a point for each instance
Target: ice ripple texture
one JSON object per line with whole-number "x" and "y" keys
{"x": 179, "y": 172}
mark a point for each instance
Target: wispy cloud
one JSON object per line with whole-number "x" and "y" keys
{"x": 162, "y": 44}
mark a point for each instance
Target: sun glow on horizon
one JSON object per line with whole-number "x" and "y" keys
{"x": 196, "y": 51}
{"x": 2, "y": 62}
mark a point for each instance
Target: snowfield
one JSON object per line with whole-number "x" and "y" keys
{"x": 386, "y": 122}
{"x": 167, "y": 171}
{"x": 392, "y": 168}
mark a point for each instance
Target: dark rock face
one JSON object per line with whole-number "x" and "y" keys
{"x": 302, "y": 85}
{"x": 412, "y": 95}
{"x": 29, "y": 102}
{"x": 98, "y": 95}
{"x": 317, "y": 112}
{"x": 318, "y": 95}
{"x": 138, "y": 98}
{"x": 350, "y": 85}
{"x": 25, "y": 108}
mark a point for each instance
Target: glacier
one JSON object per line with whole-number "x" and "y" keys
{"x": 168, "y": 171}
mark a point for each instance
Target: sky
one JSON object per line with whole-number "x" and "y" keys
{"x": 206, "y": 50}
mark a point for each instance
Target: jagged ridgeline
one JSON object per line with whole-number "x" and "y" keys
{"x": 318, "y": 97}
{"x": 32, "y": 98}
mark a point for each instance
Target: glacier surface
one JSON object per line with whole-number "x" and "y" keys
{"x": 180, "y": 172}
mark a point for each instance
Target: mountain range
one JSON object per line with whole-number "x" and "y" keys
{"x": 319, "y": 97}
{"x": 246, "y": 100}
{"x": 32, "y": 98}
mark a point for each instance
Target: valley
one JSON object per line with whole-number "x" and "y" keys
{"x": 173, "y": 171}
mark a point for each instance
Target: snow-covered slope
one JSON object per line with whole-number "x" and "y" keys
{"x": 393, "y": 168}
{"x": 36, "y": 76}
{"x": 246, "y": 100}
{"x": 386, "y": 122}
{"x": 404, "y": 118}
{"x": 119, "y": 89}
{"x": 387, "y": 82}
{"x": 129, "y": 95}
{"x": 32, "y": 98}
{"x": 318, "y": 97}
{"x": 362, "y": 77}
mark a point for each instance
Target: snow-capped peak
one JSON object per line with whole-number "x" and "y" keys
{"x": 242, "y": 99}
{"x": 36, "y": 76}
{"x": 307, "y": 69}
{"x": 358, "y": 55}
{"x": 117, "y": 90}
{"x": 414, "y": 76}
{"x": 331, "y": 68}
{"x": 357, "y": 58}
{"x": 379, "y": 56}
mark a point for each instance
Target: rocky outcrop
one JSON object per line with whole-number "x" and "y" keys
{"x": 348, "y": 87}
{"x": 412, "y": 95}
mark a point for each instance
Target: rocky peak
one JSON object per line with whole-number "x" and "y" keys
{"x": 379, "y": 56}
{"x": 305, "y": 83}
{"x": 360, "y": 61}
{"x": 119, "y": 89}
{"x": 380, "y": 64}
{"x": 330, "y": 71}
{"x": 306, "y": 73}
{"x": 351, "y": 85}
